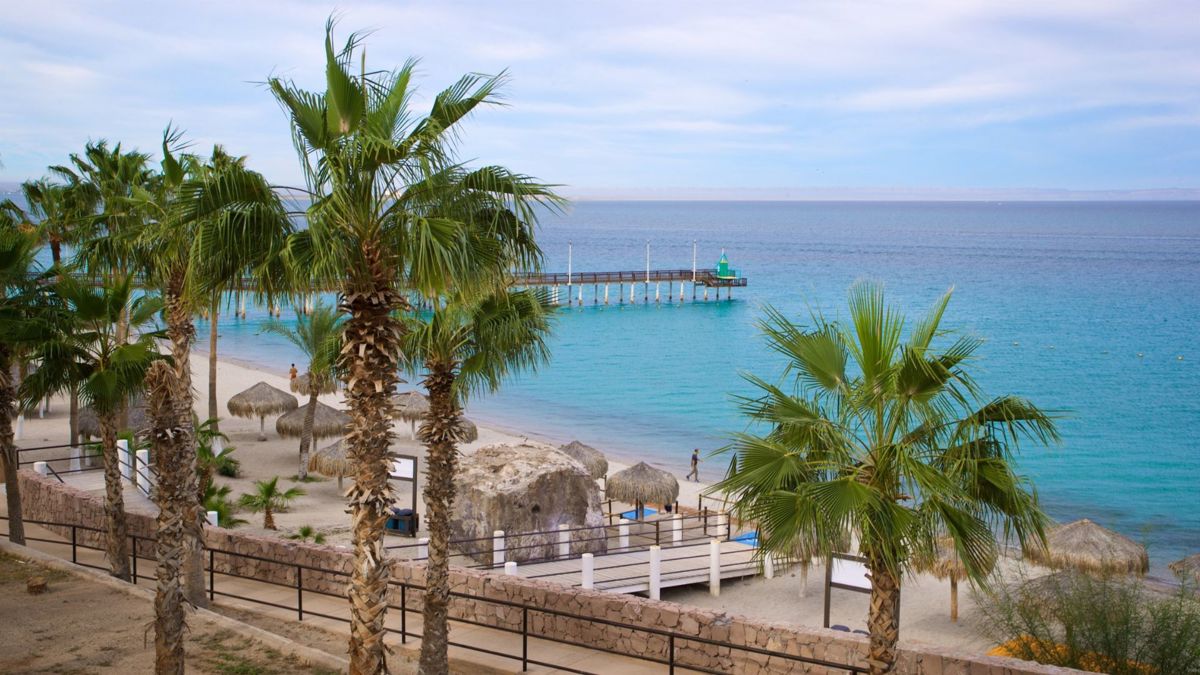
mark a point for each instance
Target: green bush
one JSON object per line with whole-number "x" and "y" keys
{"x": 1108, "y": 624}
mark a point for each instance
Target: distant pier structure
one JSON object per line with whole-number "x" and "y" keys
{"x": 568, "y": 287}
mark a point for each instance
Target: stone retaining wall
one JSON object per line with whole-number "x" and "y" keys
{"x": 47, "y": 499}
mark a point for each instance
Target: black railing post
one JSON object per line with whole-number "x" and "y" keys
{"x": 524, "y": 638}
{"x": 133, "y": 541}
{"x": 657, "y": 533}
{"x": 671, "y": 654}
{"x": 300, "y": 592}
{"x": 212, "y": 576}
{"x": 403, "y": 613}
{"x": 74, "y": 554}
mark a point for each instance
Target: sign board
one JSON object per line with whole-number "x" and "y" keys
{"x": 849, "y": 574}
{"x": 403, "y": 468}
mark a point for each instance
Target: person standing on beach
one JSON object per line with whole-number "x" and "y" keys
{"x": 695, "y": 465}
{"x": 293, "y": 372}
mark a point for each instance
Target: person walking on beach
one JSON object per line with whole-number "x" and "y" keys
{"x": 293, "y": 372}
{"x": 695, "y": 465}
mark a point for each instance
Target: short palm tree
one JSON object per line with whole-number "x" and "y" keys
{"x": 319, "y": 336}
{"x": 391, "y": 211}
{"x": 886, "y": 441}
{"x": 108, "y": 369}
{"x": 308, "y": 533}
{"x": 463, "y": 347}
{"x": 269, "y": 499}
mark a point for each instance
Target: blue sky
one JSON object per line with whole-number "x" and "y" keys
{"x": 613, "y": 99}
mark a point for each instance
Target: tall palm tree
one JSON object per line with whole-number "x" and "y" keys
{"x": 109, "y": 371}
{"x": 269, "y": 499}
{"x": 389, "y": 212}
{"x": 25, "y": 316}
{"x": 463, "y": 347}
{"x": 888, "y": 440}
{"x": 319, "y": 336}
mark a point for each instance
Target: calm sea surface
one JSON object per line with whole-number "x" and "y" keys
{"x": 1093, "y": 308}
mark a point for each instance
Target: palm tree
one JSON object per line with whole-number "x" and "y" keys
{"x": 109, "y": 371}
{"x": 216, "y": 498}
{"x": 390, "y": 210}
{"x": 307, "y": 533}
{"x": 268, "y": 499}
{"x": 464, "y": 347}
{"x": 25, "y": 314}
{"x": 211, "y": 460}
{"x": 319, "y": 336}
{"x": 886, "y": 440}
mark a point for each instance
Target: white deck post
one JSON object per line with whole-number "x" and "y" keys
{"x": 623, "y": 534}
{"x": 423, "y": 548}
{"x": 76, "y": 458}
{"x": 20, "y": 432}
{"x": 124, "y": 459}
{"x": 681, "y": 291}
{"x": 213, "y": 518}
{"x": 42, "y": 468}
{"x": 564, "y": 541}
{"x": 498, "y": 548}
{"x": 43, "y": 407}
{"x": 589, "y": 571}
{"x": 658, "y": 291}
{"x": 722, "y": 524}
{"x": 655, "y": 572}
{"x": 510, "y": 568}
{"x": 143, "y": 475}
{"x": 768, "y": 566}
{"x": 676, "y": 529}
{"x": 606, "y": 294}
{"x": 714, "y": 567}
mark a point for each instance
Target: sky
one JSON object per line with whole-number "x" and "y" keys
{"x": 810, "y": 98}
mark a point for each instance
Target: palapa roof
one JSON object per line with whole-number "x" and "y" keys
{"x": 89, "y": 422}
{"x": 1187, "y": 567}
{"x": 642, "y": 483}
{"x": 261, "y": 400}
{"x": 592, "y": 459}
{"x": 300, "y": 385}
{"x": 1088, "y": 547}
{"x": 331, "y": 461}
{"x": 410, "y": 406}
{"x": 946, "y": 563}
{"x": 327, "y": 422}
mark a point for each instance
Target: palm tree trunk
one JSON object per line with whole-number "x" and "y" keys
{"x": 268, "y": 519}
{"x": 117, "y": 544}
{"x": 439, "y": 433}
{"x": 8, "y": 448}
{"x": 307, "y": 432}
{"x": 213, "y": 410}
{"x": 883, "y": 620}
{"x": 181, "y": 332}
{"x": 954, "y": 598}
{"x": 73, "y": 417}
{"x": 370, "y": 361}
{"x": 171, "y": 446}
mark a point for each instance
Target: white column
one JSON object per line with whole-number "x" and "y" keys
{"x": 693, "y": 261}
{"x": 43, "y": 407}
{"x": 242, "y": 305}
{"x": 589, "y": 571}
{"x": 676, "y": 529}
{"x": 570, "y": 251}
{"x": 681, "y": 291}
{"x": 606, "y": 294}
{"x": 143, "y": 476}
{"x": 498, "y": 548}
{"x": 510, "y": 568}
{"x": 581, "y": 294}
{"x": 42, "y": 468}
{"x": 423, "y": 548}
{"x": 706, "y": 293}
{"x": 657, "y": 291}
{"x": 124, "y": 458}
{"x": 722, "y": 520}
{"x": 212, "y": 518}
{"x": 76, "y": 458}
{"x": 632, "y": 292}
{"x": 655, "y": 572}
{"x": 564, "y": 541}
{"x": 714, "y": 568}
{"x": 20, "y": 432}
{"x": 768, "y": 566}
{"x": 623, "y": 534}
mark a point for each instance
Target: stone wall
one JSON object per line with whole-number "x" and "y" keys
{"x": 275, "y": 560}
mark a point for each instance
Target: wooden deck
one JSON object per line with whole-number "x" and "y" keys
{"x": 704, "y": 277}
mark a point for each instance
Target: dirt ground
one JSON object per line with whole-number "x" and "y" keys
{"x": 80, "y": 626}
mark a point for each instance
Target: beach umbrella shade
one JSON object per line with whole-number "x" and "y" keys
{"x": 410, "y": 406}
{"x": 259, "y": 401}
{"x": 300, "y": 386}
{"x": 327, "y": 422}
{"x": 592, "y": 459}
{"x": 1085, "y": 546}
{"x": 331, "y": 461}
{"x": 946, "y": 564}
{"x": 1187, "y": 568}
{"x": 641, "y": 484}
{"x": 470, "y": 432}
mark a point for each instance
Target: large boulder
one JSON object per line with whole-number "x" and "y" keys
{"x": 527, "y": 490}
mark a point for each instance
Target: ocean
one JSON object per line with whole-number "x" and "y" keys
{"x": 1092, "y": 309}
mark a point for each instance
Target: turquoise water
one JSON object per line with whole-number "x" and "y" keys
{"x": 1086, "y": 307}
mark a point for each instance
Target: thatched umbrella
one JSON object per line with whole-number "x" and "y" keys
{"x": 946, "y": 564}
{"x": 327, "y": 422}
{"x": 259, "y": 401}
{"x": 592, "y": 459}
{"x": 1088, "y": 547}
{"x": 137, "y": 421}
{"x": 642, "y": 483}
{"x": 410, "y": 406}
{"x": 470, "y": 432}
{"x": 1187, "y": 567}
{"x": 300, "y": 386}
{"x": 331, "y": 461}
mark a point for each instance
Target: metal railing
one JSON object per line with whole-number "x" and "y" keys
{"x": 675, "y": 640}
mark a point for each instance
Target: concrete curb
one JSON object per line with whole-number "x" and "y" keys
{"x": 304, "y": 654}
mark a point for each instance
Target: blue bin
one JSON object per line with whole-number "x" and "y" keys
{"x": 403, "y": 521}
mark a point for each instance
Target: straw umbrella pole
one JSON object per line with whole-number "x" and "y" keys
{"x": 642, "y": 483}
{"x": 331, "y": 461}
{"x": 946, "y": 564}
{"x": 1088, "y": 547}
{"x": 592, "y": 459}
{"x": 259, "y": 401}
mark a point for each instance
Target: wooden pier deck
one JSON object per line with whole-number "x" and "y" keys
{"x": 704, "y": 277}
